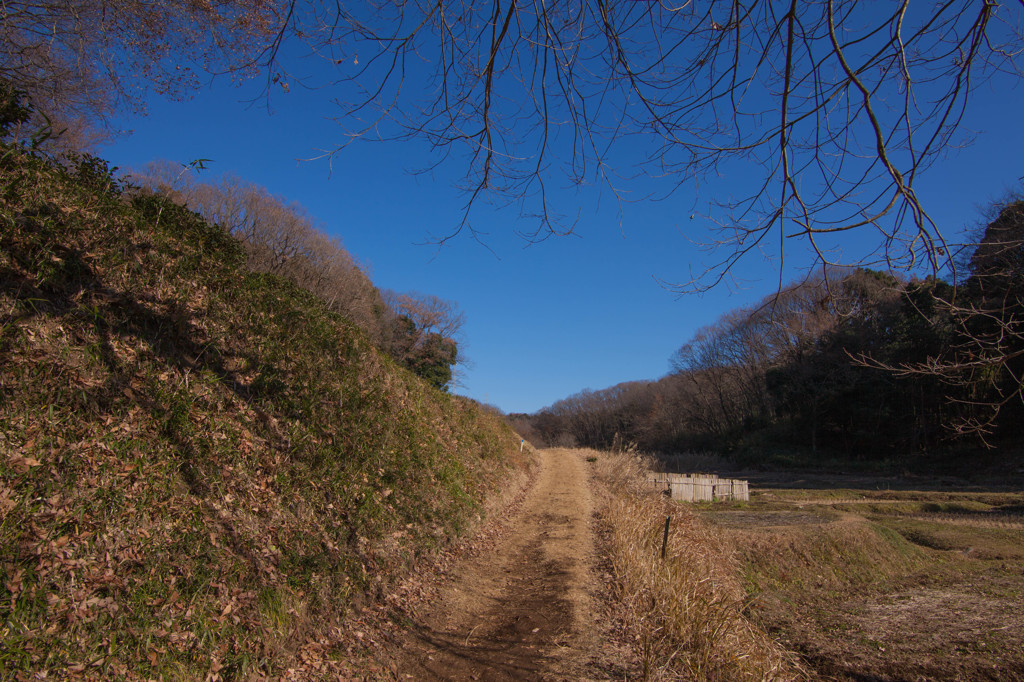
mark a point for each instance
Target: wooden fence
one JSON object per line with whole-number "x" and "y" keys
{"x": 699, "y": 487}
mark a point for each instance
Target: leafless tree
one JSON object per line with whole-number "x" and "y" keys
{"x": 839, "y": 105}
{"x": 431, "y": 314}
{"x": 726, "y": 363}
{"x": 983, "y": 366}
{"x": 80, "y": 61}
{"x": 279, "y": 238}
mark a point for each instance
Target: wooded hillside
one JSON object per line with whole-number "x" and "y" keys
{"x": 855, "y": 365}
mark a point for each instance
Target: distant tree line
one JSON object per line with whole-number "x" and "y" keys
{"x": 419, "y": 331}
{"x": 853, "y": 363}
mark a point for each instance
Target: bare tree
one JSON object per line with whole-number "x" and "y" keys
{"x": 840, "y": 105}
{"x": 422, "y": 332}
{"x": 431, "y": 314}
{"x": 80, "y": 61}
{"x": 279, "y": 237}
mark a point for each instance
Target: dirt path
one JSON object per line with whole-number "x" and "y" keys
{"x": 530, "y": 608}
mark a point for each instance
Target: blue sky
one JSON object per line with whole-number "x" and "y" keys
{"x": 544, "y": 320}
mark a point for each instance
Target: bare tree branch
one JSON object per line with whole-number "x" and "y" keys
{"x": 839, "y": 105}
{"x": 80, "y": 61}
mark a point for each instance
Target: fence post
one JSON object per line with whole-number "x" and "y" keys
{"x": 664, "y": 540}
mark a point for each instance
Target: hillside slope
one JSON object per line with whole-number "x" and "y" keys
{"x": 201, "y": 468}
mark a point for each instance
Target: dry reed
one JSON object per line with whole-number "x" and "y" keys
{"x": 686, "y": 611}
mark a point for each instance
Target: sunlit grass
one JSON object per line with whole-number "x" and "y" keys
{"x": 686, "y": 610}
{"x": 200, "y": 467}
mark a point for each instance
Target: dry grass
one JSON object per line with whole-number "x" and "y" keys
{"x": 202, "y": 470}
{"x": 686, "y": 611}
{"x": 880, "y": 585}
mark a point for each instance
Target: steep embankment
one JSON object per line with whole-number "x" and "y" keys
{"x": 200, "y": 468}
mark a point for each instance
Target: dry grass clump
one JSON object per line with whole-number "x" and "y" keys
{"x": 686, "y": 611}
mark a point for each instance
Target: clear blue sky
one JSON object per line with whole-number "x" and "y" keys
{"x": 543, "y": 320}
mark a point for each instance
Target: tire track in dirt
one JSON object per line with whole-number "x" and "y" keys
{"x": 526, "y": 610}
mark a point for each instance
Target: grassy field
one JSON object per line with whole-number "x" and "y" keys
{"x": 884, "y": 584}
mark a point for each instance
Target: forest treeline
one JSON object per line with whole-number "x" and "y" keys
{"x": 852, "y": 364}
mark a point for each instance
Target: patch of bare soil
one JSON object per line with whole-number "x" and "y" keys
{"x": 535, "y": 606}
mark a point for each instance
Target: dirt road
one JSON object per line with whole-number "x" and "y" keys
{"x": 536, "y": 607}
